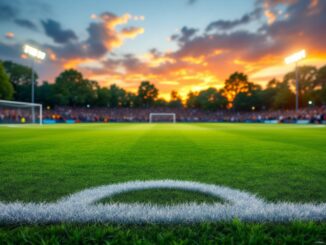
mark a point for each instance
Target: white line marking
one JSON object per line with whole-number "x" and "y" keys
{"x": 81, "y": 207}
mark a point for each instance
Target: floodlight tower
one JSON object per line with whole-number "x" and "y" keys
{"x": 295, "y": 58}
{"x": 35, "y": 54}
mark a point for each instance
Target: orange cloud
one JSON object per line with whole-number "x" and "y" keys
{"x": 112, "y": 21}
{"x": 155, "y": 60}
{"x": 271, "y": 17}
{"x": 93, "y": 16}
{"x": 206, "y": 60}
{"x": 114, "y": 38}
{"x": 10, "y": 35}
{"x": 74, "y": 63}
{"x": 103, "y": 38}
{"x": 131, "y": 32}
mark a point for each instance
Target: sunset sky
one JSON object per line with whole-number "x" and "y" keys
{"x": 179, "y": 45}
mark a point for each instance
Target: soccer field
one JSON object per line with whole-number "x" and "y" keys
{"x": 276, "y": 162}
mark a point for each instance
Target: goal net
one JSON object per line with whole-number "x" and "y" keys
{"x": 14, "y": 112}
{"x": 162, "y": 117}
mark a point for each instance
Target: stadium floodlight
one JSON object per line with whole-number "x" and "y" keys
{"x": 295, "y": 58}
{"x": 34, "y": 53}
{"x": 151, "y": 115}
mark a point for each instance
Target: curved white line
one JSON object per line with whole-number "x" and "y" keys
{"x": 81, "y": 207}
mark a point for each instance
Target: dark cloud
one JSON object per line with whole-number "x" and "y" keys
{"x": 10, "y": 51}
{"x": 185, "y": 35}
{"x": 301, "y": 28}
{"x": 300, "y": 25}
{"x": 40, "y": 6}
{"x": 191, "y": 2}
{"x": 224, "y": 25}
{"x": 54, "y": 30}
{"x": 218, "y": 54}
{"x": 13, "y": 9}
{"x": 26, "y": 24}
{"x": 7, "y": 12}
{"x": 155, "y": 53}
{"x": 203, "y": 55}
{"x": 200, "y": 55}
{"x": 102, "y": 35}
{"x": 129, "y": 62}
{"x": 132, "y": 63}
{"x": 96, "y": 41}
{"x": 69, "y": 51}
{"x": 102, "y": 38}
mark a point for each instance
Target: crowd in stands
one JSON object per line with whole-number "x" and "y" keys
{"x": 62, "y": 114}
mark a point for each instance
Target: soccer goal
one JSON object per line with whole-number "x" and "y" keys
{"x": 20, "y": 112}
{"x": 152, "y": 116}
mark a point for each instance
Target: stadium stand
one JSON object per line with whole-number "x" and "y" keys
{"x": 70, "y": 114}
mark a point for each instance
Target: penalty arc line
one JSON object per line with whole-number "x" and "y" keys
{"x": 81, "y": 207}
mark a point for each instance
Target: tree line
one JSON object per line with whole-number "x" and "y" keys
{"x": 72, "y": 89}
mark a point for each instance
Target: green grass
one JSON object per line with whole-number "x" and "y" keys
{"x": 162, "y": 197}
{"x": 207, "y": 233}
{"x": 276, "y": 162}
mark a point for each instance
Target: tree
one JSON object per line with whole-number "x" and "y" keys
{"x": 21, "y": 78}
{"x": 268, "y": 95}
{"x": 147, "y": 93}
{"x": 116, "y": 96}
{"x": 45, "y": 94}
{"x": 65, "y": 87}
{"x": 249, "y": 100}
{"x": 211, "y": 99}
{"x": 73, "y": 90}
{"x": 176, "y": 101}
{"x": 6, "y": 88}
{"x": 192, "y": 101}
{"x": 235, "y": 84}
{"x": 284, "y": 97}
{"x": 161, "y": 103}
{"x": 87, "y": 91}
{"x": 321, "y": 78}
{"x": 307, "y": 82}
{"x": 131, "y": 100}
{"x": 277, "y": 95}
{"x": 103, "y": 97}
{"x": 320, "y": 87}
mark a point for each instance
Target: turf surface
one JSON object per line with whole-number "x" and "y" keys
{"x": 276, "y": 162}
{"x": 207, "y": 233}
{"x": 162, "y": 197}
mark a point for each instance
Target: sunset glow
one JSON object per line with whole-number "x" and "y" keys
{"x": 295, "y": 57}
{"x": 196, "y": 47}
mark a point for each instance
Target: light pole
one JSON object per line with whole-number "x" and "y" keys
{"x": 35, "y": 54}
{"x": 295, "y": 58}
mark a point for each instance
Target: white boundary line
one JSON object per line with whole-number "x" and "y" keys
{"x": 81, "y": 207}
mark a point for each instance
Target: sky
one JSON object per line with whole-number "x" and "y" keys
{"x": 181, "y": 45}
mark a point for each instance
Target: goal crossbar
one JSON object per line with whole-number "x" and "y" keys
{"x": 151, "y": 115}
{"x": 24, "y": 105}
{"x": 19, "y": 104}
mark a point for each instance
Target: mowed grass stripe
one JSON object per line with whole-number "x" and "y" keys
{"x": 310, "y": 136}
{"x": 162, "y": 152}
{"x": 275, "y": 170}
{"x": 64, "y": 146}
{"x": 60, "y": 161}
{"x": 59, "y": 164}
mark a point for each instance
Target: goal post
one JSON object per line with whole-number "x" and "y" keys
{"x": 20, "y": 112}
{"x": 152, "y": 115}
